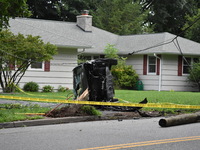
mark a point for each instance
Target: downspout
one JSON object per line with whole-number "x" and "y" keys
{"x": 160, "y": 75}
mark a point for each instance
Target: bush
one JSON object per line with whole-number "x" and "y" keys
{"x": 125, "y": 77}
{"x": 47, "y": 88}
{"x": 90, "y": 110}
{"x": 31, "y": 87}
{"x": 194, "y": 75}
{"x": 62, "y": 89}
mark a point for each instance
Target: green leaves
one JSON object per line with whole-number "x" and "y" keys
{"x": 193, "y": 27}
{"x": 195, "y": 74}
{"x": 121, "y": 17}
{"x": 12, "y": 8}
{"x": 20, "y": 51}
{"x": 124, "y": 75}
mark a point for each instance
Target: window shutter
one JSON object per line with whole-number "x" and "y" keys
{"x": 47, "y": 66}
{"x": 180, "y": 65}
{"x": 12, "y": 66}
{"x": 145, "y": 65}
{"x": 158, "y": 65}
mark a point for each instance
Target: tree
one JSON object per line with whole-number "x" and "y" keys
{"x": 194, "y": 75}
{"x": 192, "y": 27}
{"x": 12, "y": 8}
{"x": 17, "y": 53}
{"x": 65, "y": 10}
{"x": 124, "y": 75}
{"x": 47, "y": 9}
{"x": 168, "y": 15}
{"x": 121, "y": 17}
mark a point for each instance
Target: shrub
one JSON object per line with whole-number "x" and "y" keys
{"x": 47, "y": 88}
{"x": 90, "y": 110}
{"x": 194, "y": 75}
{"x": 125, "y": 77}
{"x": 62, "y": 89}
{"x": 31, "y": 87}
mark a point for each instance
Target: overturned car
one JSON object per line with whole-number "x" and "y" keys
{"x": 94, "y": 76}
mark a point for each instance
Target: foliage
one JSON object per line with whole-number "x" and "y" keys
{"x": 168, "y": 15}
{"x": 10, "y": 8}
{"x": 62, "y": 89}
{"x": 124, "y": 75}
{"x": 65, "y": 10}
{"x": 17, "y": 53}
{"x": 194, "y": 75}
{"x": 121, "y": 17}
{"x": 193, "y": 32}
{"x": 31, "y": 87}
{"x": 47, "y": 88}
{"x": 90, "y": 110}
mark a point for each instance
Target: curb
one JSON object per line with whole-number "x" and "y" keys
{"x": 47, "y": 121}
{"x": 52, "y": 121}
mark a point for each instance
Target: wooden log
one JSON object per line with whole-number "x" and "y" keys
{"x": 180, "y": 119}
{"x": 84, "y": 96}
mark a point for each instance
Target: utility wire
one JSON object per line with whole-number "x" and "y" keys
{"x": 24, "y": 59}
{"x": 157, "y": 45}
{"x": 168, "y": 41}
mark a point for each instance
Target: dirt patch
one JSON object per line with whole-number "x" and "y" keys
{"x": 75, "y": 110}
{"x": 67, "y": 111}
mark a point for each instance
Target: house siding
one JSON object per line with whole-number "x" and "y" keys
{"x": 60, "y": 73}
{"x": 170, "y": 78}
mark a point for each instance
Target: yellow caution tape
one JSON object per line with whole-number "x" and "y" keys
{"x": 152, "y": 105}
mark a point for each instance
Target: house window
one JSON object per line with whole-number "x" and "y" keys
{"x": 37, "y": 66}
{"x": 187, "y": 64}
{"x": 151, "y": 64}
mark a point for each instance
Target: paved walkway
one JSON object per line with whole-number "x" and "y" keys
{"x": 4, "y": 101}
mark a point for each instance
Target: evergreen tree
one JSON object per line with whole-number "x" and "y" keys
{"x": 121, "y": 17}
{"x": 169, "y": 15}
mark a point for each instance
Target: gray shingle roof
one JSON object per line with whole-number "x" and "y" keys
{"x": 68, "y": 34}
{"x": 161, "y": 43}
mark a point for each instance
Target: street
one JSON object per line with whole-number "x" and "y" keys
{"x": 138, "y": 134}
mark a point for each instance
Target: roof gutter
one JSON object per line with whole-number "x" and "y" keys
{"x": 74, "y": 46}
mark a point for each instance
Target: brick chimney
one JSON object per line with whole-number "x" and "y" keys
{"x": 84, "y": 21}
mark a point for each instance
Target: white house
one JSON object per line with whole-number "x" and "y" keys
{"x": 156, "y": 57}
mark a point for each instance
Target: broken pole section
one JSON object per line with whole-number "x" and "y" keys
{"x": 180, "y": 119}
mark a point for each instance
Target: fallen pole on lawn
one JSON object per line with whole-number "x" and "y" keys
{"x": 180, "y": 119}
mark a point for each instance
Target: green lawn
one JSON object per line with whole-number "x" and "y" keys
{"x": 187, "y": 98}
{"x": 15, "y": 112}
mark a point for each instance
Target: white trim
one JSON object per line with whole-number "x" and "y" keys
{"x": 37, "y": 69}
{"x": 160, "y": 74}
{"x": 152, "y": 73}
{"x": 192, "y": 62}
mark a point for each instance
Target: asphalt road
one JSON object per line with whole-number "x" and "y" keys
{"x": 141, "y": 134}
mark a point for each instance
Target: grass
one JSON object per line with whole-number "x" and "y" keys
{"x": 15, "y": 112}
{"x": 187, "y": 98}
